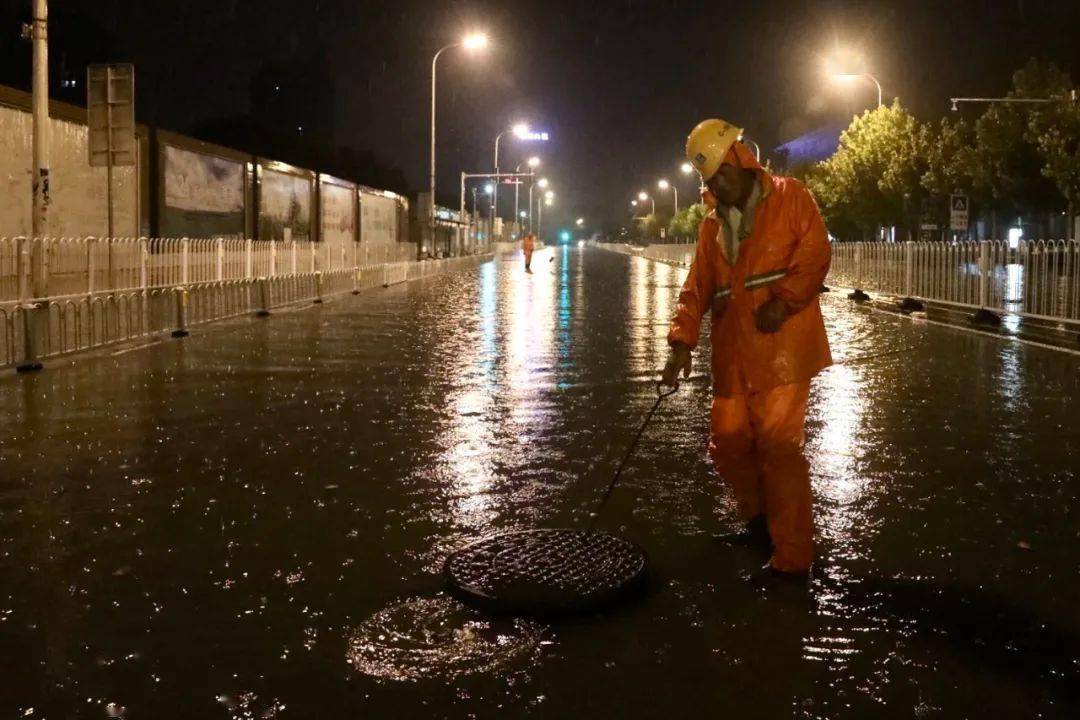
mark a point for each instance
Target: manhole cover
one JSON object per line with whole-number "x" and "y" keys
{"x": 545, "y": 571}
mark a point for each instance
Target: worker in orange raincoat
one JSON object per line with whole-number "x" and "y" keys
{"x": 527, "y": 245}
{"x": 762, "y": 254}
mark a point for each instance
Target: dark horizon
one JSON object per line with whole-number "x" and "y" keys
{"x": 618, "y": 85}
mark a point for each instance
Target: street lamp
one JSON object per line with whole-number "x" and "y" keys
{"x": 473, "y": 42}
{"x": 757, "y": 148}
{"x": 643, "y": 196}
{"x": 541, "y": 183}
{"x": 549, "y": 200}
{"x": 686, "y": 168}
{"x": 522, "y": 132}
{"x": 580, "y": 222}
{"x": 848, "y": 78}
{"x": 664, "y": 185}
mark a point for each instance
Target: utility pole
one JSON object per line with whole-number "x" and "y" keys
{"x": 39, "y": 222}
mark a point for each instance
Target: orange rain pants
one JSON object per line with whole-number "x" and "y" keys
{"x": 756, "y": 446}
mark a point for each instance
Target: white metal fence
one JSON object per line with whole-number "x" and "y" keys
{"x": 100, "y": 292}
{"x": 86, "y": 265}
{"x": 675, "y": 253}
{"x": 1035, "y": 278}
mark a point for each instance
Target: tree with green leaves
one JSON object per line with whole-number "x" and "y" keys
{"x": 1007, "y": 168}
{"x": 684, "y": 226}
{"x": 874, "y": 178}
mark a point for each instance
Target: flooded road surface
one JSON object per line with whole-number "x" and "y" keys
{"x": 250, "y": 523}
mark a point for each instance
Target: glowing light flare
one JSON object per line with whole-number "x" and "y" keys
{"x": 475, "y": 41}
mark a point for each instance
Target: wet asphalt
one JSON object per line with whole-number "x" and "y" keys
{"x": 250, "y": 522}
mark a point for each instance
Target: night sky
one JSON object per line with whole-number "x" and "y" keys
{"x": 618, "y": 84}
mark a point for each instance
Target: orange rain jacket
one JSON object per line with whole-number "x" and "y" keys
{"x": 527, "y": 243}
{"x": 788, "y": 235}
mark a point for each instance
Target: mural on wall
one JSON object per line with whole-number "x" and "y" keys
{"x": 378, "y": 219}
{"x": 284, "y": 206}
{"x": 337, "y": 205}
{"x": 78, "y": 191}
{"x": 204, "y": 195}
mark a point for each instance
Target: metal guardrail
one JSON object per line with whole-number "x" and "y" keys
{"x": 87, "y": 265}
{"x": 1033, "y": 278}
{"x": 37, "y": 328}
{"x": 674, "y": 253}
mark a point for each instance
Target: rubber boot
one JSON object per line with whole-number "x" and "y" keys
{"x": 755, "y": 534}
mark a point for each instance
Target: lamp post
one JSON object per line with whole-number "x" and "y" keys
{"x": 664, "y": 185}
{"x": 850, "y": 77}
{"x": 542, "y": 183}
{"x": 520, "y": 130}
{"x": 549, "y": 199}
{"x": 643, "y": 196}
{"x": 533, "y": 163}
{"x": 476, "y": 41}
{"x": 757, "y": 148}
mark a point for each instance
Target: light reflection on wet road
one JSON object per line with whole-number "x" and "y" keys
{"x": 250, "y": 523}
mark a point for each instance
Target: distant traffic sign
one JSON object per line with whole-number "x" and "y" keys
{"x": 958, "y": 212}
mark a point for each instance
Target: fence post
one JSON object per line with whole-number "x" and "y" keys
{"x": 91, "y": 264}
{"x": 144, "y": 264}
{"x": 181, "y": 313}
{"x": 984, "y": 273}
{"x": 31, "y": 325}
{"x": 318, "y": 287}
{"x": 858, "y": 266}
{"x": 314, "y": 257}
{"x": 273, "y": 258}
{"x": 22, "y": 262}
{"x": 293, "y": 251}
{"x": 184, "y": 246}
{"x": 111, "y": 263}
{"x": 264, "y": 298}
{"x": 909, "y": 268}
{"x": 248, "y": 259}
{"x": 220, "y": 259}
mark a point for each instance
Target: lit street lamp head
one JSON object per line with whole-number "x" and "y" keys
{"x": 663, "y": 185}
{"x": 542, "y": 182}
{"x": 549, "y": 201}
{"x": 534, "y": 162}
{"x": 845, "y": 78}
{"x": 549, "y": 195}
{"x": 686, "y": 168}
{"x": 642, "y": 196}
{"x": 489, "y": 188}
{"x": 580, "y": 222}
{"x": 475, "y": 41}
{"x": 521, "y": 129}
{"x": 633, "y": 203}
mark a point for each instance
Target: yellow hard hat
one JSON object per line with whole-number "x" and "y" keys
{"x": 708, "y": 143}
